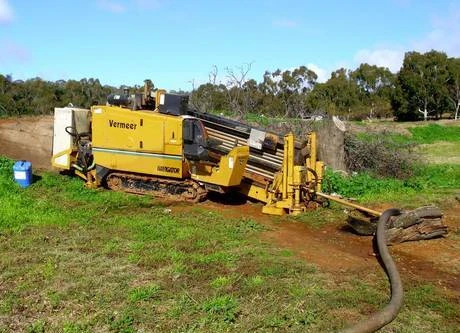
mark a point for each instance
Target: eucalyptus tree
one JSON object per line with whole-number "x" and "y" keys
{"x": 422, "y": 86}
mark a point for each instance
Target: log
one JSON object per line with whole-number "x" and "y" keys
{"x": 418, "y": 224}
{"x": 424, "y": 229}
{"x": 362, "y": 223}
{"x": 408, "y": 218}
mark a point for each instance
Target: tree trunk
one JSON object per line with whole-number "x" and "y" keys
{"x": 424, "y": 112}
{"x": 331, "y": 142}
{"x": 457, "y": 109}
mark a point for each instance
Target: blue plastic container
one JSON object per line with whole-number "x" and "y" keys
{"x": 23, "y": 173}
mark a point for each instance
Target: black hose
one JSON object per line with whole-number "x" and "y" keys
{"x": 390, "y": 311}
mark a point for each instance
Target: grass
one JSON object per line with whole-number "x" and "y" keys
{"x": 430, "y": 182}
{"x": 81, "y": 260}
{"x": 433, "y": 133}
{"x": 437, "y": 144}
{"x": 427, "y": 134}
{"x": 317, "y": 218}
{"x": 441, "y": 152}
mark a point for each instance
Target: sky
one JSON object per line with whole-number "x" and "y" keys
{"x": 176, "y": 43}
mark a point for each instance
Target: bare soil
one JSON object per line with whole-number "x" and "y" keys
{"x": 28, "y": 138}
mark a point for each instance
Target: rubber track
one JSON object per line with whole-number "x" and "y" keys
{"x": 177, "y": 190}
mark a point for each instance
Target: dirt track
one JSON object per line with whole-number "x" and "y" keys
{"x": 335, "y": 249}
{"x": 28, "y": 139}
{"x": 332, "y": 248}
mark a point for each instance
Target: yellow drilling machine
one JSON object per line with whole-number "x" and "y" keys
{"x": 162, "y": 152}
{"x": 152, "y": 143}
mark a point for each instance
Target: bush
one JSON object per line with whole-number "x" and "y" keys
{"x": 380, "y": 154}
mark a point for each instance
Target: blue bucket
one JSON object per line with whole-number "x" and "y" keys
{"x": 23, "y": 173}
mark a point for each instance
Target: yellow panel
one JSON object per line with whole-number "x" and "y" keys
{"x": 55, "y": 157}
{"x": 272, "y": 210}
{"x": 136, "y": 141}
{"x": 151, "y": 135}
{"x": 121, "y": 128}
{"x": 253, "y": 191}
{"x": 173, "y": 137}
{"x": 229, "y": 172}
{"x": 146, "y": 163}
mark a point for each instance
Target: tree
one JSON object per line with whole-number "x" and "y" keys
{"x": 285, "y": 93}
{"x": 375, "y": 85}
{"x": 252, "y": 96}
{"x": 338, "y": 96}
{"x": 454, "y": 85}
{"x": 422, "y": 86}
{"x": 149, "y": 84}
{"x": 236, "y": 94}
{"x": 209, "y": 97}
{"x": 293, "y": 89}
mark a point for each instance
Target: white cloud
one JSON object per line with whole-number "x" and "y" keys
{"x": 323, "y": 74}
{"x": 383, "y": 57}
{"x": 6, "y": 12}
{"x": 443, "y": 36}
{"x": 112, "y": 6}
{"x": 284, "y": 23}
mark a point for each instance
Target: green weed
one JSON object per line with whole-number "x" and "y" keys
{"x": 8, "y": 302}
{"x": 440, "y": 152}
{"x": 319, "y": 217}
{"x": 426, "y": 294}
{"x": 225, "y": 307}
{"x": 256, "y": 281}
{"x": 428, "y": 134}
{"x": 71, "y": 327}
{"x": 221, "y": 281}
{"x": 143, "y": 293}
{"x": 54, "y": 299}
{"x": 257, "y": 118}
{"x": 36, "y": 327}
{"x": 124, "y": 324}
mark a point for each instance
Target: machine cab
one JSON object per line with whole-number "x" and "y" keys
{"x": 195, "y": 140}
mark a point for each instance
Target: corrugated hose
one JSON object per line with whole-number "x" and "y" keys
{"x": 391, "y": 310}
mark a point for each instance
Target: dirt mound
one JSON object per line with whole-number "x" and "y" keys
{"x": 28, "y": 138}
